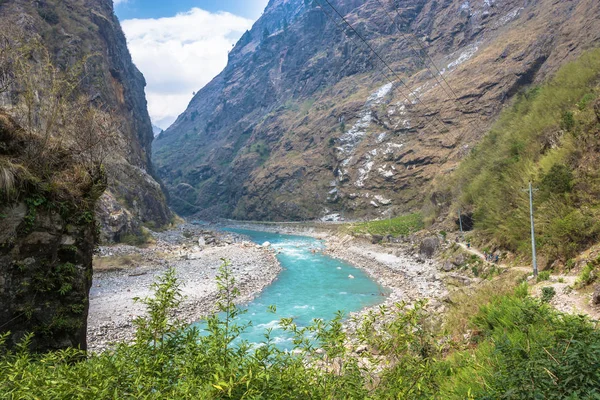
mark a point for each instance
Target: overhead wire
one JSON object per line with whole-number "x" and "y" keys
{"x": 411, "y": 92}
{"x": 425, "y": 52}
{"x": 372, "y": 50}
{"x": 414, "y": 49}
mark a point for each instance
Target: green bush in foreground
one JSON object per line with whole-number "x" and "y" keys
{"x": 520, "y": 349}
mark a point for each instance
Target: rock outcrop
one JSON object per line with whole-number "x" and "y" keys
{"x": 47, "y": 240}
{"x": 75, "y": 140}
{"x": 303, "y": 122}
{"x": 73, "y": 31}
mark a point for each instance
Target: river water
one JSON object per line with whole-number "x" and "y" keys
{"x": 311, "y": 285}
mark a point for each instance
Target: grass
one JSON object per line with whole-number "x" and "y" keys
{"x": 402, "y": 225}
{"x": 587, "y": 276}
{"x": 548, "y": 294}
{"x": 506, "y": 345}
{"x": 549, "y": 137}
{"x": 543, "y": 276}
{"x": 467, "y": 302}
{"x": 143, "y": 238}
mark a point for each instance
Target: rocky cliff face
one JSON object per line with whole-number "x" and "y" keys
{"x": 75, "y": 141}
{"x": 47, "y": 239}
{"x": 70, "y": 31}
{"x": 305, "y": 121}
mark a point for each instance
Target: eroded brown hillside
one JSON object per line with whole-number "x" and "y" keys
{"x": 304, "y": 122}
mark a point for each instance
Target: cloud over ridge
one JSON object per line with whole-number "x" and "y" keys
{"x": 179, "y": 55}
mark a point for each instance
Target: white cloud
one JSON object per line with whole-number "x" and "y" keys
{"x": 179, "y": 55}
{"x": 116, "y": 2}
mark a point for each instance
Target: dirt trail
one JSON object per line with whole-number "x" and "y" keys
{"x": 567, "y": 299}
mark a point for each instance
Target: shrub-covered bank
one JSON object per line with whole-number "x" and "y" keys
{"x": 517, "y": 348}
{"x": 550, "y": 136}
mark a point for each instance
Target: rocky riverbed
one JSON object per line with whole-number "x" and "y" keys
{"x": 124, "y": 272}
{"x": 397, "y": 266}
{"x": 403, "y": 265}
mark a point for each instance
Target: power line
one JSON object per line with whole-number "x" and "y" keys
{"x": 385, "y": 63}
{"x": 424, "y": 51}
{"x": 359, "y": 45}
{"x": 413, "y": 48}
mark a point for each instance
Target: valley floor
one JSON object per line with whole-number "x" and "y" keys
{"x": 124, "y": 272}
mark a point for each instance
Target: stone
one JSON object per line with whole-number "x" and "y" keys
{"x": 67, "y": 241}
{"x": 13, "y": 216}
{"x": 459, "y": 260}
{"x": 376, "y": 239}
{"x": 361, "y": 349}
{"x": 429, "y": 246}
{"x": 448, "y": 266}
{"x": 596, "y": 296}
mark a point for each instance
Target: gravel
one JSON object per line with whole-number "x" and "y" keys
{"x": 112, "y": 308}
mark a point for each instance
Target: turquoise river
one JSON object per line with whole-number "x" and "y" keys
{"x": 311, "y": 285}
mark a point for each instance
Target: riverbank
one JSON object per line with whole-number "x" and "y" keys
{"x": 396, "y": 265}
{"x": 124, "y": 272}
{"x": 399, "y": 268}
{"x": 408, "y": 276}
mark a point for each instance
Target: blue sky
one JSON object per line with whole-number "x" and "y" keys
{"x": 165, "y": 8}
{"x": 180, "y": 45}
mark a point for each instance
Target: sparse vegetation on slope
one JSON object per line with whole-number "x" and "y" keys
{"x": 550, "y": 137}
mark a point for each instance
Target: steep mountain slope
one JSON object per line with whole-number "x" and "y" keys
{"x": 303, "y": 122}
{"x": 74, "y": 30}
{"x": 73, "y": 123}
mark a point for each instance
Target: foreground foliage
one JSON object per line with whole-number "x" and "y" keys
{"x": 520, "y": 348}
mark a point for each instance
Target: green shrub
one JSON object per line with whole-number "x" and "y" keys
{"x": 522, "y": 290}
{"x": 520, "y": 348}
{"x": 558, "y": 180}
{"x": 585, "y": 101}
{"x": 528, "y": 350}
{"x": 567, "y": 121}
{"x": 548, "y": 294}
{"x": 587, "y": 276}
{"x": 543, "y": 276}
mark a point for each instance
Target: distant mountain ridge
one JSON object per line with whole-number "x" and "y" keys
{"x": 304, "y": 122}
{"x": 156, "y": 130}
